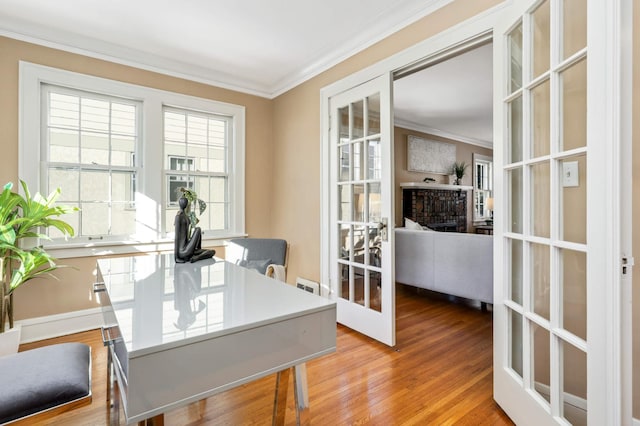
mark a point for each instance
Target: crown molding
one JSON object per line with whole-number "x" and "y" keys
{"x": 123, "y": 55}
{"x": 444, "y": 134}
{"x": 130, "y": 57}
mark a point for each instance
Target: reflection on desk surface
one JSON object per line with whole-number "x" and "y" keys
{"x": 157, "y": 301}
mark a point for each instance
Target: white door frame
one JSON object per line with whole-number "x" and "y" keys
{"x": 458, "y": 38}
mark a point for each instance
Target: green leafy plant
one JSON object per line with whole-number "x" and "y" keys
{"x": 459, "y": 169}
{"x": 23, "y": 217}
{"x": 192, "y": 197}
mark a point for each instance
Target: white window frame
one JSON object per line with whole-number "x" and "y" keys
{"x": 478, "y": 158}
{"x": 150, "y": 185}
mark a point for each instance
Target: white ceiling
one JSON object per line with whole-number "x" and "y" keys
{"x": 262, "y": 47}
{"x": 451, "y": 99}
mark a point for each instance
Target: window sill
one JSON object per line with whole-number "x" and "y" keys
{"x": 110, "y": 248}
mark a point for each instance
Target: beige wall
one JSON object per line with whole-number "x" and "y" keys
{"x": 464, "y": 152}
{"x": 72, "y": 292}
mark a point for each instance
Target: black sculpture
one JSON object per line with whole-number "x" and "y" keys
{"x": 187, "y": 247}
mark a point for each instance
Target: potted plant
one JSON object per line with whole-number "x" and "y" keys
{"x": 192, "y": 197}
{"x": 23, "y": 217}
{"x": 459, "y": 169}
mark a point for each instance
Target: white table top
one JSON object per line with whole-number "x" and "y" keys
{"x": 159, "y": 304}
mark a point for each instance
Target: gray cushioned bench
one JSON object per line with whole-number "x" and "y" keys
{"x": 43, "y": 379}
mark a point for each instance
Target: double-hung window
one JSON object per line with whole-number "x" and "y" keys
{"x": 121, "y": 152}
{"x": 89, "y": 146}
{"x": 482, "y": 187}
{"x": 195, "y": 150}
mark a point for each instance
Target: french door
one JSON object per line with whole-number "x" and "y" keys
{"x": 361, "y": 182}
{"x": 556, "y": 328}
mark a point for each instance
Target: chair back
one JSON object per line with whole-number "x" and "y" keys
{"x": 257, "y": 253}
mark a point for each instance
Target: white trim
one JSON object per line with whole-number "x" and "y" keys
{"x": 140, "y": 60}
{"x": 576, "y": 401}
{"x": 47, "y": 327}
{"x": 99, "y": 49}
{"x": 152, "y": 101}
{"x": 409, "y": 125}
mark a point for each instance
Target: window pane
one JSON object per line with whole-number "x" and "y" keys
{"x": 574, "y": 384}
{"x": 67, "y": 181}
{"x": 541, "y": 271}
{"x": 374, "y": 202}
{"x": 541, "y": 124}
{"x": 373, "y": 104}
{"x": 344, "y": 239}
{"x": 541, "y": 357}
{"x": 123, "y": 149}
{"x": 94, "y": 148}
{"x": 574, "y": 291}
{"x": 540, "y": 198}
{"x": 515, "y": 183}
{"x": 374, "y": 169}
{"x": 358, "y": 120}
{"x": 344, "y": 202}
{"x": 123, "y": 219}
{"x": 122, "y": 187}
{"x": 64, "y": 146}
{"x": 64, "y": 111}
{"x": 94, "y": 186}
{"x": 515, "y": 52}
{"x": 541, "y": 24}
{"x": 574, "y": 106}
{"x": 516, "y": 342}
{"x": 358, "y": 203}
{"x": 95, "y": 218}
{"x": 344, "y": 163}
{"x": 574, "y": 24}
{"x": 516, "y": 271}
{"x": 94, "y": 114}
{"x": 72, "y": 219}
{"x": 358, "y": 159}
{"x": 123, "y": 119}
{"x": 515, "y": 134}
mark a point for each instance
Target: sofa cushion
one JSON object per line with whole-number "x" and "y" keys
{"x": 43, "y": 378}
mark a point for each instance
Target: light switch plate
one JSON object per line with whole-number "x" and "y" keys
{"x": 570, "y": 174}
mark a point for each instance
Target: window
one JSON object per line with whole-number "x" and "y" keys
{"x": 195, "y": 145}
{"x": 482, "y": 187}
{"x": 89, "y": 150}
{"x": 120, "y": 151}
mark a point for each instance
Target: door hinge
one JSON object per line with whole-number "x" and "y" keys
{"x": 627, "y": 262}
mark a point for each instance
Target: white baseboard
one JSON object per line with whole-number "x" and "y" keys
{"x": 40, "y": 328}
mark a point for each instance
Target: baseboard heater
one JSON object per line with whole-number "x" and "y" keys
{"x": 308, "y": 285}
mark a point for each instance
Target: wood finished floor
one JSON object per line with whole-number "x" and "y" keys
{"x": 439, "y": 373}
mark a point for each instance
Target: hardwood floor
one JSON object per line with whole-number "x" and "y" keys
{"x": 439, "y": 373}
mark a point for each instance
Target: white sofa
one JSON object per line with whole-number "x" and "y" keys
{"x": 447, "y": 262}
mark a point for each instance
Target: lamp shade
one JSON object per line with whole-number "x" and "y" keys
{"x": 490, "y": 203}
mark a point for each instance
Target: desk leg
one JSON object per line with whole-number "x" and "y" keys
{"x": 300, "y": 392}
{"x": 280, "y": 399}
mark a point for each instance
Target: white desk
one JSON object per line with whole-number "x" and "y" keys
{"x": 185, "y": 332}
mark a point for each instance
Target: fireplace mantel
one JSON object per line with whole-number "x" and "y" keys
{"x": 425, "y": 185}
